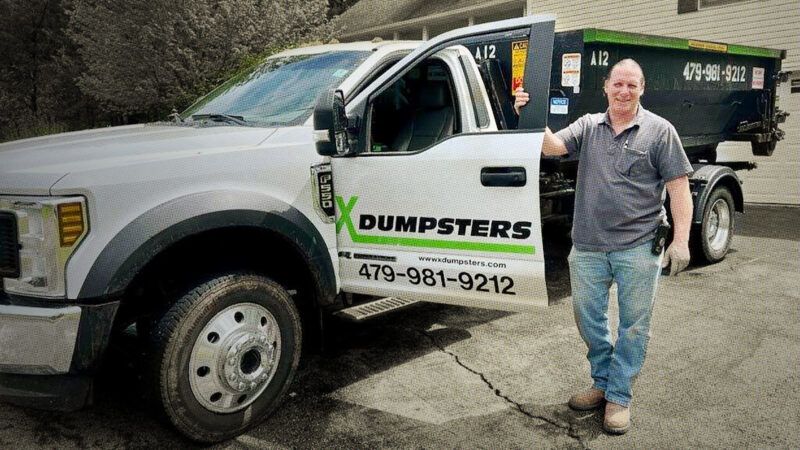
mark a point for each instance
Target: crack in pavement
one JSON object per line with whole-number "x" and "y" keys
{"x": 569, "y": 428}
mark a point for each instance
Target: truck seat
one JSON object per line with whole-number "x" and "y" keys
{"x": 431, "y": 120}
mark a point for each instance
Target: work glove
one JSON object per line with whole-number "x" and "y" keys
{"x": 676, "y": 257}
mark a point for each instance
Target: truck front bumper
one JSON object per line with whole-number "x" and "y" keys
{"x": 37, "y": 341}
{"x": 48, "y": 352}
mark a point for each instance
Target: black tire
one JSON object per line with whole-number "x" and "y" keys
{"x": 177, "y": 334}
{"x": 144, "y": 330}
{"x": 712, "y": 239}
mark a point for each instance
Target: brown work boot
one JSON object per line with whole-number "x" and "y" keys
{"x": 617, "y": 418}
{"x": 589, "y": 399}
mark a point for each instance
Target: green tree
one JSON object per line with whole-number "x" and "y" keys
{"x": 148, "y": 56}
{"x": 337, "y": 7}
{"x": 71, "y": 64}
{"x": 36, "y": 90}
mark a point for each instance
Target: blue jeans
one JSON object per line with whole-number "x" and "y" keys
{"x": 636, "y": 271}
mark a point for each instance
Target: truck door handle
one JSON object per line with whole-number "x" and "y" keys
{"x": 503, "y": 176}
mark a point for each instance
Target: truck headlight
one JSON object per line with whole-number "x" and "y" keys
{"x": 50, "y": 229}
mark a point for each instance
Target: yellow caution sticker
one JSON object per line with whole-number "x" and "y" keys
{"x": 519, "y": 54}
{"x": 711, "y": 46}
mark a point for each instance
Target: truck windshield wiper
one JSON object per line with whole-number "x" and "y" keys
{"x": 237, "y": 120}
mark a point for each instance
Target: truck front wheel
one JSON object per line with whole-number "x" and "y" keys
{"x": 225, "y": 354}
{"x": 712, "y": 238}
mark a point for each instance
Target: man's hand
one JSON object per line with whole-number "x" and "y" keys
{"x": 520, "y": 99}
{"x": 680, "y": 200}
{"x": 676, "y": 257}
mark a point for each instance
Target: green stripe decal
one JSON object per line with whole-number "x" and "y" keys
{"x": 734, "y": 49}
{"x": 346, "y": 221}
{"x": 619, "y": 37}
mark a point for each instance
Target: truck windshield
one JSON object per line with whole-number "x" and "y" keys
{"x": 281, "y": 91}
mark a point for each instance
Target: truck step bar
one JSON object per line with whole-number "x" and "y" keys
{"x": 376, "y": 307}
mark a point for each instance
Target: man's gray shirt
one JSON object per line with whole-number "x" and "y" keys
{"x": 619, "y": 199}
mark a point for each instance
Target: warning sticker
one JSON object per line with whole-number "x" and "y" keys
{"x": 519, "y": 54}
{"x": 711, "y": 46}
{"x": 571, "y": 69}
{"x": 758, "y": 78}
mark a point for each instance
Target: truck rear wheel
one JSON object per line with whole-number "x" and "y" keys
{"x": 712, "y": 239}
{"x": 225, "y": 354}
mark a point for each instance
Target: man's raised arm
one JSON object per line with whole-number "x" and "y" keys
{"x": 553, "y": 145}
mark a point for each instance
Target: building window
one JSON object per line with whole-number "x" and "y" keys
{"x": 795, "y": 86}
{"x": 685, "y": 6}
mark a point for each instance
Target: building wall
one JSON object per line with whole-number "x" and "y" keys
{"x": 414, "y": 31}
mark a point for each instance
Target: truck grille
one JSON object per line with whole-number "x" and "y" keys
{"x": 9, "y": 247}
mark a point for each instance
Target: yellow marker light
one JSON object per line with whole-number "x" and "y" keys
{"x": 70, "y": 223}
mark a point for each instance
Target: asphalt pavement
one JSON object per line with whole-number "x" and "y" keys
{"x": 722, "y": 372}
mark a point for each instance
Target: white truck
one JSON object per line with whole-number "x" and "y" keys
{"x": 346, "y": 179}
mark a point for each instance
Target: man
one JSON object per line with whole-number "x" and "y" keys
{"x": 627, "y": 156}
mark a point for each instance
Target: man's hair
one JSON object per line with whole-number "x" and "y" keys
{"x": 626, "y": 62}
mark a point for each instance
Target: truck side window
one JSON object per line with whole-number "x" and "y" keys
{"x": 417, "y": 111}
{"x": 384, "y": 66}
{"x": 494, "y": 79}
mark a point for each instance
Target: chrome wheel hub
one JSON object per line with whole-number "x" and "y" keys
{"x": 234, "y": 358}
{"x": 719, "y": 223}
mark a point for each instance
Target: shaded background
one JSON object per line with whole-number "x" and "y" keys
{"x": 74, "y": 64}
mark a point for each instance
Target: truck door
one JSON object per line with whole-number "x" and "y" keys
{"x": 435, "y": 204}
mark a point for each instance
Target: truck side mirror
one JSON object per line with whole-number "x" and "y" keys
{"x": 330, "y": 124}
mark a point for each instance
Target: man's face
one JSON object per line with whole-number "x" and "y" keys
{"x": 623, "y": 89}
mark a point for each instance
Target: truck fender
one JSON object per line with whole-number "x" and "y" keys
{"x": 707, "y": 177}
{"x": 155, "y": 230}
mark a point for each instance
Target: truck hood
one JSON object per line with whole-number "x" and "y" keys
{"x": 33, "y": 166}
